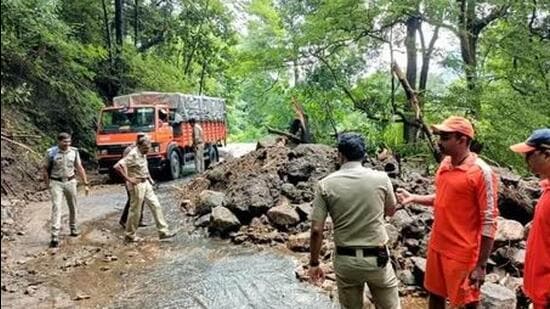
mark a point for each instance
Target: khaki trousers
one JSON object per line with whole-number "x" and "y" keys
{"x": 199, "y": 158}
{"x": 352, "y": 273}
{"x": 58, "y": 190}
{"x": 139, "y": 194}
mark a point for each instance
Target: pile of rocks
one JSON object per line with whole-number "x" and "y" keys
{"x": 265, "y": 198}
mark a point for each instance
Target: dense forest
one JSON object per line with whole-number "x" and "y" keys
{"x": 488, "y": 60}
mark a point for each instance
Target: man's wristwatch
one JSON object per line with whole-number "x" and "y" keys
{"x": 313, "y": 264}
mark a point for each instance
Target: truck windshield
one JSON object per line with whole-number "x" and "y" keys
{"x": 140, "y": 119}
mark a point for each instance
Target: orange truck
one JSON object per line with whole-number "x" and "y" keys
{"x": 164, "y": 117}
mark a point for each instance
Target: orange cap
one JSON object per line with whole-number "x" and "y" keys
{"x": 455, "y": 124}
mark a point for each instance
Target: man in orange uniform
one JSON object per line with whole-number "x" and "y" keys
{"x": 536, "y": 274}
{"x": 465, "y": 212}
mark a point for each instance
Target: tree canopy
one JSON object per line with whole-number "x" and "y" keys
{"x": 486, "y": 60}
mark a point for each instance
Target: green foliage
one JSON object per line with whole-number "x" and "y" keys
{"x": 320, "y": 51}
{"x": 58, "y": 68}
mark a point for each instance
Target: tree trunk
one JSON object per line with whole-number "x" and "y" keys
{"x": 107, "y": 32}
{"x": 410, "y": 131}
{"x": 119, "y": 22}
{"x": 110, "y": 84}
{"x": 203, "y": 72}
{"x": 470, "y": 27}
{"x": 136, "y": 15}
{"x": 187, "y": 69}
{"x": 426, "y": 57}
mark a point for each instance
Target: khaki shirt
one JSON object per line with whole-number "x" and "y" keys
{"x": 63, "y": 163}
{"x": 136, "y": 164}
{"x": 128, "y": 149}
{"x": 197, "y": 134}
{"x": 355, "y": 197}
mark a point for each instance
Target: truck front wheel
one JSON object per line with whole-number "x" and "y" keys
{"x": 174, "y": 166}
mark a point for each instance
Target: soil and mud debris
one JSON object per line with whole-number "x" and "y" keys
{"x": 264, "y": 198}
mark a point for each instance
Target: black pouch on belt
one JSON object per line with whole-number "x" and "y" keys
{"x": 382, "y": 257}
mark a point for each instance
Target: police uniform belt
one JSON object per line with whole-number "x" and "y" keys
{"x": 63, "y": 179}
{"x": 367, "y": 251}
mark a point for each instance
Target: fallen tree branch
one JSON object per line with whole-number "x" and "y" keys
{"x": 4, "y": 138}
{"x": 12, "y": 135}
{"x": 279, "y": 132}
{"x": 413, "y": 100}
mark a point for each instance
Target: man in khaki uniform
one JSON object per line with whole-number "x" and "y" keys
{"x": 198, "y": 145}
{"x": 124, "y": 216}
{"x": 357, "y": 199}
{"x": 60, "y": 164}
{"x": 135, "y": 171}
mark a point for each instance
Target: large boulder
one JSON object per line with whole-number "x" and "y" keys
{"x": 310, "y": 162}
{"x": 208, "y": 200}
{"x": 517, "y": 256}
{"x": 283, "y": 214}
{"x": 419, "y": 268}
{"x": 290, "y": 191}
{"x": 253, "y": 197}
{"x": 508, "y": 230}
{"x": 406, "y": 276}
{"x": 306, "y": 191}
{"x": 401, "y": 219}
{"x": 203, "y": 221}
{"x": 299, "y": 242}
{"x": 412, "y": 244}
{"x": 223, "y": 220}
{"x": 304, "y": 211}
{"x": 497, "y": 296}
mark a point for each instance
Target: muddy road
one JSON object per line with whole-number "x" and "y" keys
{"x": 97, "y": 270}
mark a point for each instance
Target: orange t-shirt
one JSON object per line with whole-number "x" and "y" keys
{"x": 536, "y": 274}
{"x": 465, "y": 208}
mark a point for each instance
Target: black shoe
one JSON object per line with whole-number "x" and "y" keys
{"x": 144, "y": 224}
{"x": 54, "y": 243}
{"x": 167, "y": 235}
{"x": 122, "y": 224}
{"x": 132, "y": 239}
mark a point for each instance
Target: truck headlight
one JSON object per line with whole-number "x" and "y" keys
{"x": 103, "y": 152}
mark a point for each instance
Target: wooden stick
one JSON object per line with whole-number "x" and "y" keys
{"x": 20, "y": 135}
{"x": 20, "y": 145}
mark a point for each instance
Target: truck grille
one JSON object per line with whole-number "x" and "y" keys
{"x": 113, "y": 149}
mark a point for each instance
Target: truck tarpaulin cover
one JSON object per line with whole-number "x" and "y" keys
{"x": 188, "y": 106}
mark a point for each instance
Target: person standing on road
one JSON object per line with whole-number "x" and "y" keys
{"x": 465, "y": 213}
{"x": 357, "y": 199}
{"x": 536, "y": 273}
{"x": 198, "y": 145}
{"x": 124, "y": 217}
{"x": 60, "y": 164}
{"x": 134, "y": 170}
